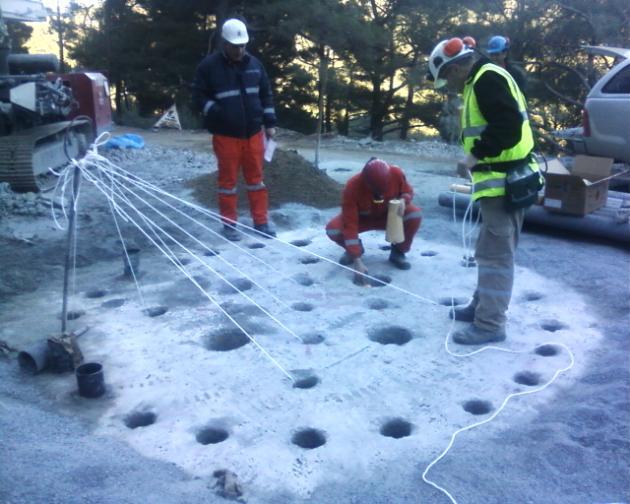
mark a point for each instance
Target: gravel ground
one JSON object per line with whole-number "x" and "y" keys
{"x": 573, "y": 450}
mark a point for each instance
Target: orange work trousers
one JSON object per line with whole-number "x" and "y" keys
{"x": 233, "y": 153}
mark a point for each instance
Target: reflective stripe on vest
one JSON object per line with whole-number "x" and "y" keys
{"x": 490, "y": 183}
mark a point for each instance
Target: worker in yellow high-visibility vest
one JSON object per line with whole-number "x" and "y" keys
{"x": 496, "y": 137}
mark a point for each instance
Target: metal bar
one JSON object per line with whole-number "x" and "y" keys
{"x": 66, "y": 273}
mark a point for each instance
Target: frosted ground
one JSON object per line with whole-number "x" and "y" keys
{"x": 373, "y": 360}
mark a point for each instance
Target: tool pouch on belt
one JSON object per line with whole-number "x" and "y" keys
{"x": 522, "y": 184}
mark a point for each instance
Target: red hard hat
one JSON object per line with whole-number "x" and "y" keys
{"x": 376, "y": 175}
{"x": 469, "y": 42}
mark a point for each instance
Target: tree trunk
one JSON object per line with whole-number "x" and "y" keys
{"x": 119, "y": 99}
{"x": 376, "y": 111}
{"x": 323, "y": 77}
{"x": 406, "y": 117}
{"x": 344, "y": 126}
{"x": 62, "y": 63}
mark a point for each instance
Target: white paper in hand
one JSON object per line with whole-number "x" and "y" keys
{"x": 270, "y": 147}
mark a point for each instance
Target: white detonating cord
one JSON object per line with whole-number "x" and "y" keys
{"x": 480, "y": 350}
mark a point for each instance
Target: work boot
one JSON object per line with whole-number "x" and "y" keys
{"x": 463, "y": 313}
{"x": 397, "y": 258}
{"x": 230, "y": 233}
{"x": 472, "y": 335}
{"x": 265, "y": 230}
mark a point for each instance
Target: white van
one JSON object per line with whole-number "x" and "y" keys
{"x": 606, "y": 114}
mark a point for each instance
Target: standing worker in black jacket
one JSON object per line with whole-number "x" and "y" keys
{"x": 232, "y": 90}
{"x": 498, "y": 140}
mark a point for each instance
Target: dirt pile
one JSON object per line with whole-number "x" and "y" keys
{"x": 289, "y": 179}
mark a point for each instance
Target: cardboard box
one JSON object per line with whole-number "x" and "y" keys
{"x": 579, "y": 191}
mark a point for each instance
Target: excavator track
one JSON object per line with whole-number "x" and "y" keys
{"x": 28, "y": 154}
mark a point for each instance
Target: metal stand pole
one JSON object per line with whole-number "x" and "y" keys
{"x": 66, "y": 274}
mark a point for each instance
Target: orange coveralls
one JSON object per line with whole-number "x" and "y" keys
{"x": 360, "y": 213}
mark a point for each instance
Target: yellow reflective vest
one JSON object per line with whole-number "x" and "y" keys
{"x": 488, "y": 183}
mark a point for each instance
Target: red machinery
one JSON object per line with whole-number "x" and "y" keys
{"x": 45, "y": 118}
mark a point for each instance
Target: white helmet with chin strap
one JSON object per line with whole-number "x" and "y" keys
{"x": 444, "y": 53}
{"x": 235, "y": 32}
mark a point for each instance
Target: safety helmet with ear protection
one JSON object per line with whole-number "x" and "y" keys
{"x": 447, "y": 51}
{"x": 235, "y": 32}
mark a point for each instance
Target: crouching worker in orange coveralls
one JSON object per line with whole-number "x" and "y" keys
{"x": 365, "y": 201}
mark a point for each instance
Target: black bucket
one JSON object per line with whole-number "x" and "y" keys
{"x": 131, "y": 261}
{"x": 90, "y": 380}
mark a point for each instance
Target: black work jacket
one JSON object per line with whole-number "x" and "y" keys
{"x": 234, "y": 97}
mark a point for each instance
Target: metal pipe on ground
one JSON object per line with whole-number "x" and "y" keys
{"x": 35, "y": 358}
{"x": 40, "y": 356}
{"x": 602, "y": 223}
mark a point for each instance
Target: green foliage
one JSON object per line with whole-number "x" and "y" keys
{"x": 19, "y": 33}
{"x": 366, "y": 57}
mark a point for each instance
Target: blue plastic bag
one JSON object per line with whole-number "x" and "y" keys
{"x": 126, "y": 141}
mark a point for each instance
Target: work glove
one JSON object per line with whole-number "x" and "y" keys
{"x": 270, "y": 132}
{"x": 401, "y": 208}
{"x": 361, "y": 270}
{"x": 465, "y": 166}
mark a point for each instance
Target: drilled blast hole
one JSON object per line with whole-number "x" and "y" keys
{"x": 304, "y": 279}
{"x": 306, "y": 383}
{"x": 527, "y": 378}
{"x": 140, "y": 419}
{"x": 309, "y": 438}
{"x": 547, "y": 350}
{"x": 74, "y": 314}
{"x": 304, "y": 378}
{"x": 303, "y": 307}
{"x": 313, "y": 338}
{"x": 391, "y": 335}
{"x": 211, "y": 435}
{"x": 478, "y": 407}
{"x": 256, "y": 245}
{"x": 96, "y": 293}
{"x": 377, "y": 304}
{"x": 155, "y": 311}
{"x": 396, "y": 428}
{"x": 240, "y": 284}
{"x": 447, "y": 301}
{"x": 533, "y": 296}
{"x": 301, "y": 243}
{"x": 113, "y": 303}
{"x": 211, "y": 253}
{"x": 428, "y": 253}
{"x": 225, "y": 340}
{"x": 309, "y": 260}
{"x": 552, "y": 325}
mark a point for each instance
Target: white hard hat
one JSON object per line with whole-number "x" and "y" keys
{"x": 446, "y": 52}
{"x": 235, "y": 32}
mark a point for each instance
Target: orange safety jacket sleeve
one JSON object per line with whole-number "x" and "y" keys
{"x": 406, "y": 191}
{"x": 350, "y": 217}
